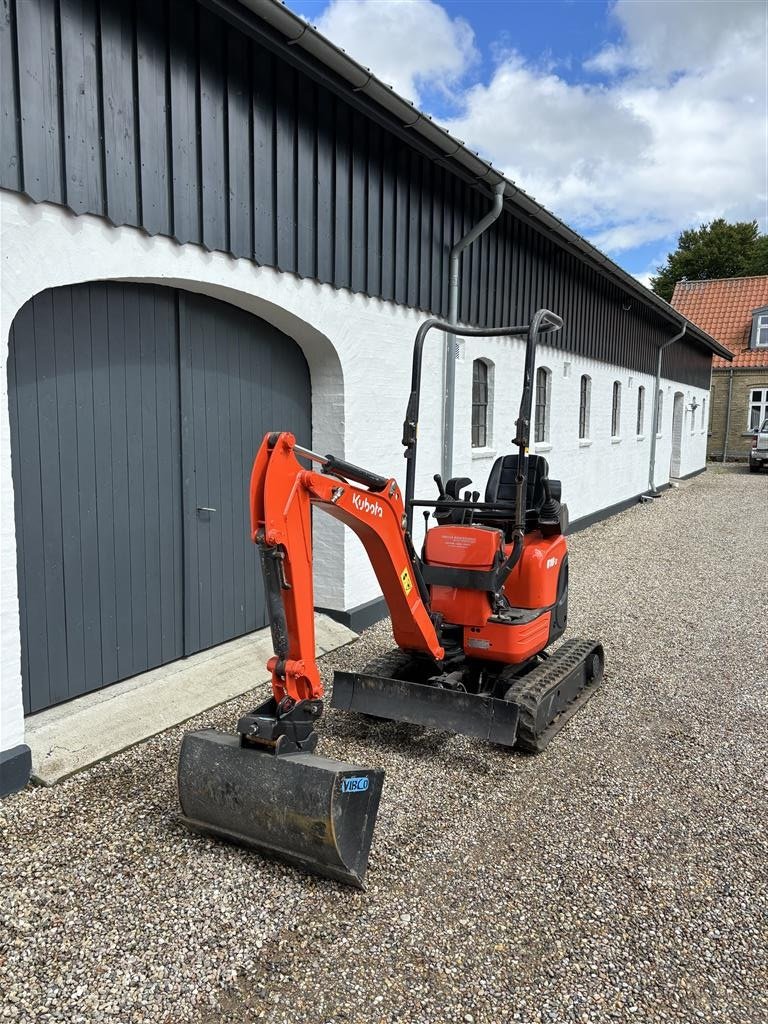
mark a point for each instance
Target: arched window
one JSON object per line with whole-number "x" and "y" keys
{"x": 585, "y": 396}
{"x": 704, "y": 414}
{"x": 616, "y": 410}
{"x": 482, "y": 391}
{"x": 543, "y": 395}
{"x": 640, "y": 410}
{"x": 659, "y": 412}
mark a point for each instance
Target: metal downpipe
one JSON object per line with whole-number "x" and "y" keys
{"x": 655, "y": 422}
{"x": 451, "y": 347}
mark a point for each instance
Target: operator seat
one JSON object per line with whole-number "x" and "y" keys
{"x": 500, "y": 490}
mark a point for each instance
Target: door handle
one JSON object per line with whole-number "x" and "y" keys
{"x": 204, "y": 508}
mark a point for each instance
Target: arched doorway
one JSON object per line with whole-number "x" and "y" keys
{"x": 678, "y": 415}
{"x": 135, "y": 414}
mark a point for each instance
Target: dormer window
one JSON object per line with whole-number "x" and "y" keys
{"x": 759, "y": 338}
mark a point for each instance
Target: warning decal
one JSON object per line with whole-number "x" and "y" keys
{"x": 405, "y": 579}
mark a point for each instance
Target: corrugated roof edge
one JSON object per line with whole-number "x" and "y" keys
{"x": 300, "y": 33}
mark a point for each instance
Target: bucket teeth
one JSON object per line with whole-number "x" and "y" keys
{"x": 311, "y": 811}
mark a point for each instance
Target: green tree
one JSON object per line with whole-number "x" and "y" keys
{"x": 718, "y": 249}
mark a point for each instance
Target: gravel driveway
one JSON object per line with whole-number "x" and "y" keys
{"x": 622, "y": 875}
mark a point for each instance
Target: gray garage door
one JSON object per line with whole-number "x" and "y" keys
{"x": 135, "y": 414}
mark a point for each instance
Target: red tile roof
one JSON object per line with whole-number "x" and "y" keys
{"x": 723, "y": 308}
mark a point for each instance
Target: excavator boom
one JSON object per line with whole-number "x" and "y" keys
{"x": 266, "y": 788}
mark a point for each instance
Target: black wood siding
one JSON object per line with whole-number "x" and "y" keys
{"x": 161, "y": 115}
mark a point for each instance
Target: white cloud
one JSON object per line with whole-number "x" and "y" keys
{"x": 676, "y": 138}
{"x": 670, "y": 128}
{"x": 406, "y": 43}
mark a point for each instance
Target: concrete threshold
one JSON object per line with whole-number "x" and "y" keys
{"x": 68, "y": 738}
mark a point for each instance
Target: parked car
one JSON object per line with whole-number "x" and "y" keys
{"x": 758, "y": 457}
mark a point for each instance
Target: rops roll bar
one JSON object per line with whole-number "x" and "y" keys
{"x": 544, "y": 322}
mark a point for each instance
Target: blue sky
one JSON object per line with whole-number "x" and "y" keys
{"x": 632, "y": 120}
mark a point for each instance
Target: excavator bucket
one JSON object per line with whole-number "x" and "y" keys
{"x": 309, "y": 811}
{"x": 485, "y": 718}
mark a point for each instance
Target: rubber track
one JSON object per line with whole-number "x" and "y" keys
{"x": 531, "y": 689}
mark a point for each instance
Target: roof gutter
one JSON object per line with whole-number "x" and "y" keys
{"x": 300, "y": 33}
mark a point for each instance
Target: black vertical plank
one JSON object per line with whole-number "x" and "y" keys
{"x": 185, "y": 140}
{"x": 341, "y": 200}
{"x": 213, "y": 132}
{"x": 117, "y": 417}
{"x": 13, "y": 419}
{"x": 50, "y": 475}
{"x": 151, "y": 518}
{"x": 169, "y": 497}
{"x": 402, "y": 194}
{"x": 388, "y": 217}
{"x": 107, "y": 466}
{"x": 359, "y": 203}
{"x": 425, "y": 234}
{"x": 306, "y": 183}
{"x": 10, "y": 118}
{"x": 23, "y": 378}
{"x": 135, "y": 543}
{"x": 285, "y": 138}
{"x": 438, "y": 259}
{"x": 68, "y": 458}
{"x": 230, "y": 490}
{"x": 120, "y": 116}
{"x": 262, "y": 64}
{"x": 414, "y": 229}
{"x": 151, "y": 80}
{"x": 255, "y": 403}
{"x": 325, "y": 185}
{"x": 81, "y": 89}
{"x": 239, "y": 457}
{"x": 39, "y": 99}
{"x": 190, "y": 559}
{"x": 240, "y": 143}
{"x": 449, "y": 238}
{"x": 373, "y": 201}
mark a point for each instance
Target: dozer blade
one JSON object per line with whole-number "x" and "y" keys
{"x": 310, "y": 811}
{"x": 485, "y": 718}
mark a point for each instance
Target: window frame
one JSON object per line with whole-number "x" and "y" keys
{"x": 585, "y": 403}
{"x": 616, "y": 410}
{"x": 759, "y": 328}
{"x": 640, "y": 425}
{"x": 483, "y": 403}
{"x": 761, "y": 405}
{"x": 659, "y": 413}
{"x": 541, "y": 423}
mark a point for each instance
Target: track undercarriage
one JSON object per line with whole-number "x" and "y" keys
{"x": 523, "y": 706}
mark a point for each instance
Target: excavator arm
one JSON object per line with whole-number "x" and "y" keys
{"x": 282, "y": 494}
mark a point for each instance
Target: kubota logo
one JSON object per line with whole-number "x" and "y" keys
{"x": 363, "y": 505}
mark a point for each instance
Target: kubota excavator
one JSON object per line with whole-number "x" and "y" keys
{"x": 471, "y": 617}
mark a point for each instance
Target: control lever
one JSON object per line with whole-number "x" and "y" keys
{"x": 475, "y": 499}
{"x": 439, "y": 481}
{"x": 426, "y": 514}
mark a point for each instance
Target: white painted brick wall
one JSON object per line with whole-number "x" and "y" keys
{"x": 359, "y": 354}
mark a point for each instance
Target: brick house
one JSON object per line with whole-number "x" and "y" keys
{"x": 735, "y": 312}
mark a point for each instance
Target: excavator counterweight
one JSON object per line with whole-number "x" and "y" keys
{"x": 472, "y": 616}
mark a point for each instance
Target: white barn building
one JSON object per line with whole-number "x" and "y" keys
{"x": 218, "y": 224}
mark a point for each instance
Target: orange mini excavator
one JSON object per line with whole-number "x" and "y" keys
{"x": 471, "y": 617}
